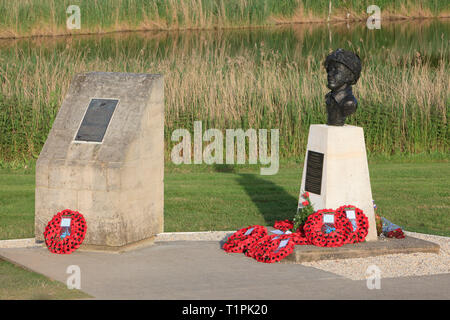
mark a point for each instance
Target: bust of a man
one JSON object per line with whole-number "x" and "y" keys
{"x": 343, "y": 70}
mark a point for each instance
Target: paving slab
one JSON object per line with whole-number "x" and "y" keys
{"x": 202, "y": 270}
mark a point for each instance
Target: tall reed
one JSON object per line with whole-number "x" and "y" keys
{"x": 21, "y": 18}
{"x": 261, "y": 79}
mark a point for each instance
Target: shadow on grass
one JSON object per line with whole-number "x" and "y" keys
{"x": 272, "y": 201}
{"x": 225, "y": 168}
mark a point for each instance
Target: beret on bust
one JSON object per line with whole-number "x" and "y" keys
{"x": 349, "y": 59}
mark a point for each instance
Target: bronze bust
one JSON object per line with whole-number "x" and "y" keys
{"x": 343, "y": 70}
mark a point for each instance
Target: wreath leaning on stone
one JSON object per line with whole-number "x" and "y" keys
{"x": 360, "y": 225}
{"x": 319, "y": 234}
{"x": 65, "y": 241}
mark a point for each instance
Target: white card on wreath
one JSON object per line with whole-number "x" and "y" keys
{"x": 277, "y": 231}
{"x": 328, "y": 218}
{"x": 350, "y": 214}
{"x": 65, "y": 222}
{"x": 248, "y": 231}
{"x": 283, "y": 243}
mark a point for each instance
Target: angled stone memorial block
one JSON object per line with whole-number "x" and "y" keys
{"x": 104, "y": 157}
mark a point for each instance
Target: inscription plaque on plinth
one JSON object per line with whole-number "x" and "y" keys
{"x": 314, "y": 166}
{"x": 96, "y": 120}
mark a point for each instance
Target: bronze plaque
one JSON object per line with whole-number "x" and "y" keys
{"x": 96, "y": 120}
{"x": 314, "y": 167}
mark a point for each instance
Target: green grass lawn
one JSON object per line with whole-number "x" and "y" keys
{"x": 413, "y": 195}
{"x": 17, "y": 283}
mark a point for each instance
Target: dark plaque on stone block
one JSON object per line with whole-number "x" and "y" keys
{"x": 314, "y": 166}
{"x": 96, "y": 120}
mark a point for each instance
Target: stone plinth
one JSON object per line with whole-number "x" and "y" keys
{"x": 116, "y": 182}
{"x": 345, "y": 173}
{"x": 362, "y": 250}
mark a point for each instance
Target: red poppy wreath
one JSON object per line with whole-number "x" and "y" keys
{"x": 283, "y": 225}
{"x": 258, "y": 245}
{"x": 273, "y": 248}
{"x": 244, "y": 238}
{"x": 65, "y": 232}
{"x": 300, "y": 238}
{"x": 358, "y": 220}
{"x": 322, "y": 234}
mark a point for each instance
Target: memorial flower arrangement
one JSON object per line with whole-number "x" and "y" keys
{"x": 284, "y": 225}
{"x": 385, "y": 227}
{"x": 304, "y": 210}
{"x": 65, "y": 232}
{"x": 359, "y": 223}
{"x": 392, "y": 230}
{"x": 244, "y": 238}
{"x": 324, "y": 228}
{"x": 378, "y": 221}
{"x": 270, "y": 250}
{"x": 323, "y": 234}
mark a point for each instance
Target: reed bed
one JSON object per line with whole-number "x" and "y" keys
{"x": 24, "y": 18}
{"x": 403, "y": 93}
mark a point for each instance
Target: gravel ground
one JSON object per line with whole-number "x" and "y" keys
{"x": 393, "y": 265}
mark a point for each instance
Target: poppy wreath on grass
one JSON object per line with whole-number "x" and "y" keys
{"x": 267, "y": 250}
{"x": 361, "y": 224}
{"x": 314, "y": 229}
{"x": 59, "y": 242}
{"x": 244, "y": 238}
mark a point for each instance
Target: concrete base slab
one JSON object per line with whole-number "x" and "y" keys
{"x": 362, "y": 249}
{"x": 202, "y": 270}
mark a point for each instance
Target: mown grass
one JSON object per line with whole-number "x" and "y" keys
{"x": 48, "y": 17}
{"x": 244, "y": 79}
{"x": 19, "y": 284}
{"x": 414, "y": 195}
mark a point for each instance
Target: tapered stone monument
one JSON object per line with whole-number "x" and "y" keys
{"x": 104, "y": 157}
